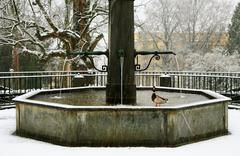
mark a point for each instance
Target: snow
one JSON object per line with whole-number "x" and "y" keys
{"x": 12, "y": 145}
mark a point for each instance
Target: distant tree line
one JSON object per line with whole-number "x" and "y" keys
{"x": 234, "y": 32}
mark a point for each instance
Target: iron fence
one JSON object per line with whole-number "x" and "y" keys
{"x": 16, "y": 83}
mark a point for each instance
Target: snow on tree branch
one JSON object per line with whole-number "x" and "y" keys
{"x": 39, "y": 25}
{"x": 49, "y": 20}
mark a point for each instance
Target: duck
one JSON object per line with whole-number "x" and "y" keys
{"x": 158, "y": 100}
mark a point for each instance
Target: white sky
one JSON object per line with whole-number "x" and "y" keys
{"x": 141, "y": 4}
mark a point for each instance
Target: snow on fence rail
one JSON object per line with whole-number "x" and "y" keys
{"x": 25, "y": 73}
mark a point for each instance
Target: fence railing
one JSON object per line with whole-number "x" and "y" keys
{"x": 26, "y": 73}
{"x": 16, "y": 83}
{"x": 29, "y": 73}
{"x": 237, "y": 74}
{"x": 221, "y": 84}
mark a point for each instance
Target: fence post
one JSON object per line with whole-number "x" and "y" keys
{"x": 165, "y": 80}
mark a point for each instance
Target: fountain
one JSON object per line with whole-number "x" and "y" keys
{"x": 98, "y": 119}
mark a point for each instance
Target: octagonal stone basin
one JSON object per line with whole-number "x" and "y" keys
{"x": 92, "y": 124}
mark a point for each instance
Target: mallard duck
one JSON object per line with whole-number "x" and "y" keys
{"x": 158, "y": 100}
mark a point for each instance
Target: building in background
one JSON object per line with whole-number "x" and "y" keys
{"x": 180, "y": 41}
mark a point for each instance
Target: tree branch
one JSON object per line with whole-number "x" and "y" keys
{"x": 95, "y": 42}
{"x": 47, "y": 17}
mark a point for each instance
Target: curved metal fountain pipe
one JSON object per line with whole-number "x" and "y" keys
{"x": 154, "y": 53}
{"x": 89, "y": 55}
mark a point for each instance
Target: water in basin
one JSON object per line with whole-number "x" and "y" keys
{"x": 97, "y": 98}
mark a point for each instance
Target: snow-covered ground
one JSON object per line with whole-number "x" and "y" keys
{"x": 12, "y": 145}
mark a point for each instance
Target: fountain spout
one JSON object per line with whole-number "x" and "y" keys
{"x": 121, "y": 56}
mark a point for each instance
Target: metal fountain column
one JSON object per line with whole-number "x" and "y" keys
{"x": 121, "y": 44}
{"x": 121, "y": 87}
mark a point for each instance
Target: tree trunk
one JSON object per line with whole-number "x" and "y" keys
{"x": 15, "y": 60}
{"x": 80, "y": 24}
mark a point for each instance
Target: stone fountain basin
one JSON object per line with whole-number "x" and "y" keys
{"x": 167, "y": 125}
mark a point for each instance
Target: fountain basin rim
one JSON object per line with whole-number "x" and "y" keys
{"x": 213, "y": 98}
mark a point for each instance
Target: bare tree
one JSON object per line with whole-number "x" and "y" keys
{"x": 186, "y": 26}
{"x": 191, "y": 24}
{"x": 201, "y": 22}
{"x": 50, "y": 28}
{"x": 162, "y": 21}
